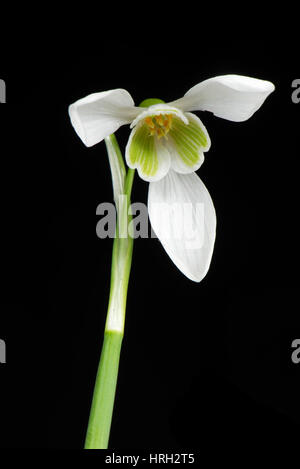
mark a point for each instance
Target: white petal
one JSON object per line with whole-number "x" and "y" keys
{"x": 100, "y": 114}
{"x": 232, "y": 97}
{"x": 183, "y": 217}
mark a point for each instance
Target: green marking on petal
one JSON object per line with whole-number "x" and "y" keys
{"x": 142, "y": 151}
{"x": 189, "y": 140}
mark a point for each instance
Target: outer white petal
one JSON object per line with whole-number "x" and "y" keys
{"x": 183, "y": 217}
{"x": 100, "y": 114}
{"x": 232, "y": 97}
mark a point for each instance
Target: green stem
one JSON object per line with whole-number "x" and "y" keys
{"x": 104, "y": 392}
{"x": 106, "y": 381}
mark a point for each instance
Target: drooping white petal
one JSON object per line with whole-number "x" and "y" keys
{"x": 183, "y": 217}
{"x": 100, "y": 114}
{"x": 232, "y": 97}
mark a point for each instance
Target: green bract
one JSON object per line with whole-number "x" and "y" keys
{"x": 150, "y": 102}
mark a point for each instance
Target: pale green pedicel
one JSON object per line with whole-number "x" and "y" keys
{"x": 101, "y": 412}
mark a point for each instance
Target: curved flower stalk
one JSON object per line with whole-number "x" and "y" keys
{"x": 167, "y": 145}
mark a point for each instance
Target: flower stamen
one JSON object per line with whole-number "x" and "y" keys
{"x": 159, "y": 125}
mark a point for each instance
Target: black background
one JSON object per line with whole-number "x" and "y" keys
{"x": 204, "y": 366}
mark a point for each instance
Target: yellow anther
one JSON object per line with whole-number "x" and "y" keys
{"x": 160, "y": 120}
{"x": 159, "y": 125}
{"x": 150, "y": 123}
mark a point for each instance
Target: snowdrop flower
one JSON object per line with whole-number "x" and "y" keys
{"x": 167, "y": 145}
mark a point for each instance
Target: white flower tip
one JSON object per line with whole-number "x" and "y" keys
{"x": 244, "y": 83}
{"x": 252, "y": 94}
{"x": 76, "y": 123}
{"x": 197, "y": 275}
{"x": 269, "y": 86}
